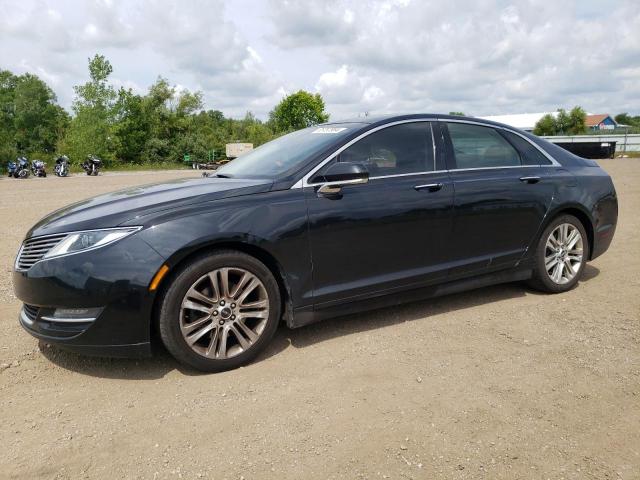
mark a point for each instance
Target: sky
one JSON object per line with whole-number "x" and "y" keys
{"x": 481, "y": 57}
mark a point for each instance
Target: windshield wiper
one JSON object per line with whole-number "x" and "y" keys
{"x": 222, "y": 175}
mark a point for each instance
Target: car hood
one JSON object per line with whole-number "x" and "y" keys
{"x": 113, "y": 209}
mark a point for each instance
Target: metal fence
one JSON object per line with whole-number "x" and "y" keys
{"x": 624, "y": 143}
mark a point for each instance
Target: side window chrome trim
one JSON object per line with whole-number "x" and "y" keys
{"x": 553, "y": 161}
{"x": 430, "y": 172}
{"x": 491, "y": 168}
{"x": 385, "y": 176}
{"x": 304, "y": 182}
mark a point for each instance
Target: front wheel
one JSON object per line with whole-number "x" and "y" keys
{"x": 561, "y": 255}
{"x": 220, "y": 311}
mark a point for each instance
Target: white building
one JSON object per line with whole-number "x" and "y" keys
{"x": 523, "y": 121}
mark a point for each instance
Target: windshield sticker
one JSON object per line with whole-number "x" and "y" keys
{"x": 329, "y": 129}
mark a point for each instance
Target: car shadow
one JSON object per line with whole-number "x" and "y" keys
{"x": 162, "y": 363}
{"x": 148, "y": 368}
{"x": 384, "y": 317}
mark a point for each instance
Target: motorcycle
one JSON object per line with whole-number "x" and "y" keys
{"x": 61, "y": 168}
{"x": 12, "y": 167}
{"x": 92, "y": 165}
{"x": 22, "y": 168}
{"x": 38, "y": 168}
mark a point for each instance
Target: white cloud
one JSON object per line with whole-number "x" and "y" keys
{"x": 302, "y": 23}
{"x": 348, "y": 92}
{"x": 482, "y": 57}
{"x": 379, "y": 56}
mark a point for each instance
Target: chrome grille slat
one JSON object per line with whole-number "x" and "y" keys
{"x": 36, "y": 240}
{"x": 40, "y": 241}
{"x": 33, "y": 249}
{"x": 31, "y": 311}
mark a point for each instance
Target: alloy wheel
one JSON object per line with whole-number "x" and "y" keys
{"x": 563, "y": 253}
{"x": 224, "y": 313}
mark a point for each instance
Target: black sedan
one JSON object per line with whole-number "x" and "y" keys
{"x": 325, "y": 221}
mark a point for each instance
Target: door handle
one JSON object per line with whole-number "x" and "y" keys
{"x": 432, "y": 187}
{"x": 530, "y": 179}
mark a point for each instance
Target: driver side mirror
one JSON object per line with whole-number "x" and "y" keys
{"x": 341, "y": 174}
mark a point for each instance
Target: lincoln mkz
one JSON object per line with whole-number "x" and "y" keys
{"x": 326, "y": 221}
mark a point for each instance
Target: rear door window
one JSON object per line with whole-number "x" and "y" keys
{"x": 475, "y": 146}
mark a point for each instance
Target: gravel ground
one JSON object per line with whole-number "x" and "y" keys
{"x": 498, "y": 383}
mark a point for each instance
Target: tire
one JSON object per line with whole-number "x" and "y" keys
{"x": 176, "y": 319}
{"x": 546, "y": 254}
{"x": 89, "y": 172}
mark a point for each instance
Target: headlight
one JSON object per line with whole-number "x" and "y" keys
{"x": 89, "y": 240}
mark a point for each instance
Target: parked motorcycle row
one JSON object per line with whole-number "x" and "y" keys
{"x": 21, "y": 168}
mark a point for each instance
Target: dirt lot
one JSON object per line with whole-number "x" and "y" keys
{"x": 497, "y": 383}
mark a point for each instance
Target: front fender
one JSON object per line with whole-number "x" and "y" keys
{"x": 275, "y": 222}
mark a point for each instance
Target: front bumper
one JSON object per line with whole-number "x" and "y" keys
{"x": 113, "y": 279}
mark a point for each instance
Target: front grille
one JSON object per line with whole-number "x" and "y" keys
{"x": 30, "y": 311}
{"x": 35, "y": 248}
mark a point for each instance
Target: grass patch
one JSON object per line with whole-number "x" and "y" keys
{"x": 628, "y": 154}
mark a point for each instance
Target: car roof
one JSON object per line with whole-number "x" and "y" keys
{"x": 389, "y": 118}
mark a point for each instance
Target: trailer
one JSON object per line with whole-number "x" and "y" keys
{"x": 234, "y": 150}
{"x": 590, "y": 149}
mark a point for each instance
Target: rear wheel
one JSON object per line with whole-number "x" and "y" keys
{"x": 561, "y": 255}
{"x": 220, "y": 311}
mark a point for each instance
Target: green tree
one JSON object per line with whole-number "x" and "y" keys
{"x": 91, "y": 128}
{"x": 130, "y": 128}
{"x": 298, "y": 110}
{"x": 626, "y": 119}
{"x": 571, "y": 123}
{"x": 562, "y": 121}
{"x": 31, "y": 122}
{"x": 457, "y": 114}
{"x": 38, "y": 120}
{"x": 174, "y": 128}
{"x": 188, "y": 103}
{"x": 97, "y": 92}
{"x": 546, "y": 126}
{"x": 577, "y": 121}
{"x": 7, "y": 113}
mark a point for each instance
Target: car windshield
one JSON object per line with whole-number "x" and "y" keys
{"x": 287, "y": 152}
